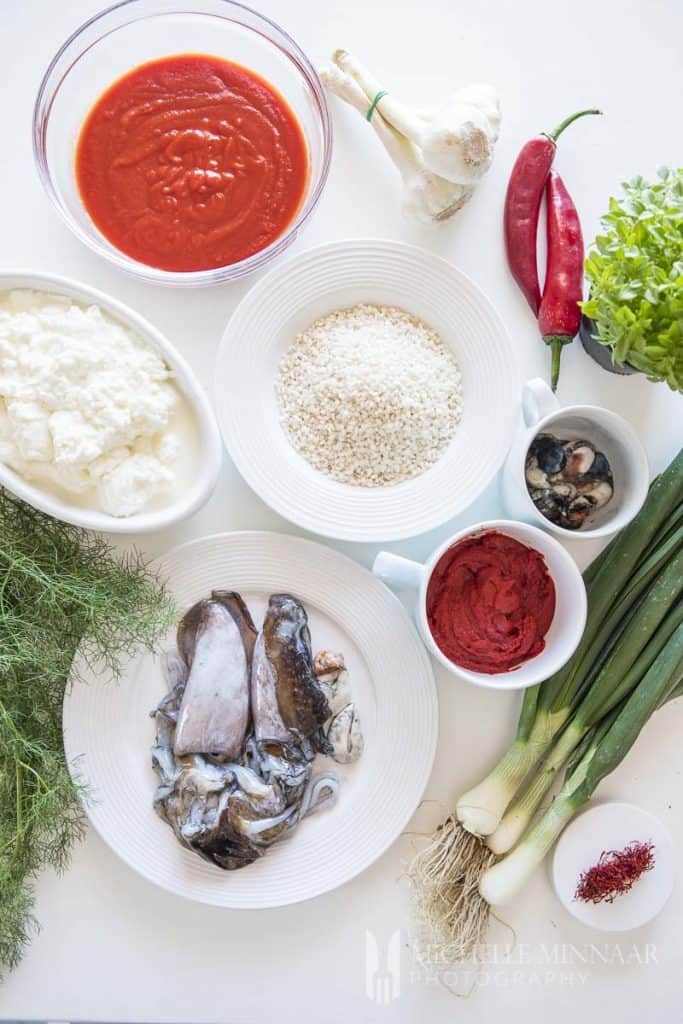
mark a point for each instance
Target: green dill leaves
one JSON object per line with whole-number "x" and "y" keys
{"x": 60, "y": 587}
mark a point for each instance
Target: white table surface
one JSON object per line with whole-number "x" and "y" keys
{"x": 112, "y": 947}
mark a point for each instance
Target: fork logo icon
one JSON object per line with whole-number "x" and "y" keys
{"x": 383, "y": 972}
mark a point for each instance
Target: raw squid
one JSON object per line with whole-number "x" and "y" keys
{"x": 238, "y": 730}
{"x": 230, "y": 812}
{"x": 216, "y": 640}
{"x": 286, "y": 696}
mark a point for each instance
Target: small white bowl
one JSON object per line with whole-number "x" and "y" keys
{"x": 209, "y": 455}
{"x": 612, "y": 826}
{"x": 612, "y": 434}
{"x": 567, "y": 626}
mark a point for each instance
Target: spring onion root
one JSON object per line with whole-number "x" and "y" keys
{"x": 452, "y": 916}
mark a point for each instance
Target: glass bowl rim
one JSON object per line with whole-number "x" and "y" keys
{"x": 274, "y": 35}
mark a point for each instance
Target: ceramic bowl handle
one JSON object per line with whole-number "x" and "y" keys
{"x": 398, "y": 572}
{"x": 538, "y": 401}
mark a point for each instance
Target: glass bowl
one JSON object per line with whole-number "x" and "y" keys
{"x": 134, "y": 32}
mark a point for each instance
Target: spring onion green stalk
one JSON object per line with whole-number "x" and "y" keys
{"x": 666, "y": 530}
{"x": 615, "y": 582}
{"x": 609, "y": 744}
{"x": 649, "y": 629}
{"x": 559, "y": 695}
{"x": 480, "y": 809}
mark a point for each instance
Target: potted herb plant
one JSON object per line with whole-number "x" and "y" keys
{"x": 633, "y": 320}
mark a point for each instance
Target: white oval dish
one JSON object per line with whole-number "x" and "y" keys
{"x": 108, "y": 732}
{"x": 337, "y": 275}
{"x": 605, "y": 827}
{"x": 209, "y": 456}
{"x": 567, "y": 626}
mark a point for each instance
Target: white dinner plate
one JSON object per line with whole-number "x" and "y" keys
{"x": 337, "y": 275}
{"x": 108, "y": 732}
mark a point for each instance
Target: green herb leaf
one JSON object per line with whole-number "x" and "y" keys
{"x": 636, "y": 280}
{"x": 60, "y": 587}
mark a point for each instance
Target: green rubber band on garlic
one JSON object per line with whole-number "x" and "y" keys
{"x": 440, "y": 157}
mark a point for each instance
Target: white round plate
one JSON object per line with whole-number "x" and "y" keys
{"x": 108, "y": 732}
{"x": 605, "y": 827}
{"x": 338, "y": 275}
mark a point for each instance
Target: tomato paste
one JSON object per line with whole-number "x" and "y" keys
{"x": 190, "y": 163}
{"x": 490, "y": 602}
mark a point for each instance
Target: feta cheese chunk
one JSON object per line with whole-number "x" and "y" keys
{"x": 86, "y": 407}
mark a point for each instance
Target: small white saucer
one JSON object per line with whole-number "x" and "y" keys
{"x": 612, "y": 826}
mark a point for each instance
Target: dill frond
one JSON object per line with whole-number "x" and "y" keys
{"x": 60, "y": 588}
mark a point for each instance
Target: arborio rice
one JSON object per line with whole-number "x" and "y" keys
{"x": 369, "y": 395}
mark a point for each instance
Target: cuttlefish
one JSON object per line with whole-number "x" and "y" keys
{"x": 286, "y": 697}
{"x": 216, "y": 639}
{"x": 238, "y": 730}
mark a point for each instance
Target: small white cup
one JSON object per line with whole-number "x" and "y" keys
{"x": 609, "y": 433}
{"x": 565, "y": 631}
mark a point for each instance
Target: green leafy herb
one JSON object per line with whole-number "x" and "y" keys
{"x": 635, "y": 271}
{"x": 59, "y": 587}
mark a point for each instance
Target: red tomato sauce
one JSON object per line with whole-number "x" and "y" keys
{"x": 490, "y": 603}
{"x": 190, "y": 163}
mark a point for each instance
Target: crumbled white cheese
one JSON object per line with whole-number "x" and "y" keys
{"x": 85, "y": 404}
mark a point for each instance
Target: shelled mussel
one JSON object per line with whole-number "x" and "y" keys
{"x": 567, "y": 480}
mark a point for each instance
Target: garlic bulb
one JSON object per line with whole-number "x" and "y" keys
{"x": 456, "y": 142}
{"x": 426, "y": 196}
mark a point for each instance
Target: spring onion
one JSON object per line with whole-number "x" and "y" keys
{"x": 635, "y": 621}
{"x": 614, "y": 585}
{"x": 609, "y": 744}
{"x": 654, "y": 621}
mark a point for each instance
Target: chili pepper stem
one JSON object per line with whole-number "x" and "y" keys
{"x": 556, "y": 343}
{"x": 555, "y": 134}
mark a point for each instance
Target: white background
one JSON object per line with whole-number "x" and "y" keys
{"x": 114, "y": 948}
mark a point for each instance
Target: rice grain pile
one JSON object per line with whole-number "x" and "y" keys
{"x": 369, "y": 395}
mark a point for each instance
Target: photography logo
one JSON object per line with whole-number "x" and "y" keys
{"x": 382, "y": 969}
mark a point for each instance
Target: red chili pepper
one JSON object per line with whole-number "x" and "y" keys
{"x": 522, "y": 204}
{"x": 560, "y": 315}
